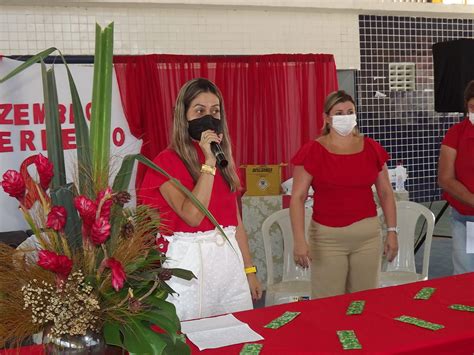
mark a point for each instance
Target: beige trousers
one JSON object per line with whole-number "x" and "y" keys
{"x": 345, "y": 259}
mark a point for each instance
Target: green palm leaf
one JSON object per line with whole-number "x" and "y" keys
{"x": 54, "y": 141}
{"x": 34, "y": 59}
{"x": 82, "y": 140}
{"x": 101, "y": 106}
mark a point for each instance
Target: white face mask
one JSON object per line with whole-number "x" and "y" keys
{"x": 344, "y": 124}
{"x": 471, "y": 117}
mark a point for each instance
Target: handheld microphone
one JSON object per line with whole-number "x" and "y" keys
{"x": 219, "y": 154}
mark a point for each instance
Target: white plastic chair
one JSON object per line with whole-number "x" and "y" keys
{"x": 296, "y": 281}
{"x": 402, "y": 269}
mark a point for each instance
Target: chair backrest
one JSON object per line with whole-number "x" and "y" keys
{"x": 408, "y": 214}
{"x": 290, "y": 270}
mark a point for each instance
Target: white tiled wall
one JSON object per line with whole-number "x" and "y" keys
{"x": 201, "y": 26}
{"x": 183, "y": 30}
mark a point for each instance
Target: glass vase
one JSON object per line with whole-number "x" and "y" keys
{"x": 90, "y": 343}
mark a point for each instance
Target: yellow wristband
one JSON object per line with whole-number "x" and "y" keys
{"x": 251, "y": 270}
{"x": 208, "y": 169}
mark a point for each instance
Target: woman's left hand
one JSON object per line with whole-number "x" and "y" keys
{"x": 391, "y": 246}
{"x": 255, "y": 286}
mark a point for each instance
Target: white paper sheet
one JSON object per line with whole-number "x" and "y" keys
{"x": 216, "y": 332}
{"x": 469, "y": 237}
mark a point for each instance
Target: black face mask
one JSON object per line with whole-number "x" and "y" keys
{"x": 201, "y": 124}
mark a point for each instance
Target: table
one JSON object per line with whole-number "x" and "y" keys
{"x": 314, "y": 330}
{"x": 255, "y": 209}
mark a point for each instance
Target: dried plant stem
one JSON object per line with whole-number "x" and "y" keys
{"x": 89, "y": 256}
{"x": 105, "y": 251}
{"x": 64, "y": 244}
{"x": 150, "y": 291}
{"x": 31, "y": 223}
{"x": 122, "y": 302}
{"x": 101, "y": 203}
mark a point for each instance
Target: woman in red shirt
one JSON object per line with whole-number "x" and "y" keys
{"x": 225, "y": 276}
{"x": 456, "y": 177}
{"x": 345, "y": 244}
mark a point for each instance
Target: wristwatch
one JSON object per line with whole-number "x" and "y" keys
{"x": 393, "y": 229}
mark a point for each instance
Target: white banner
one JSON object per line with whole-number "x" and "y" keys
{"x": 22, "y": 130}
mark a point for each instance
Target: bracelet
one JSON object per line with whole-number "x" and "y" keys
{"x": 208, "y": 169}
{"x": 250, "y": 270}
{"x": 393, "y": 229}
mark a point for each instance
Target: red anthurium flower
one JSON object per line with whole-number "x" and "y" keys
{"x": 100, "y": 231}
{"x": 61, "y": 265}
{"x": 118, "y": 273}
{"x": 45, "y": 170}
{"x": 106, "y": 197}
{"x": 13, "y": 184}
{"x": 57, "y": 218}
{"x": 86, "y": 208}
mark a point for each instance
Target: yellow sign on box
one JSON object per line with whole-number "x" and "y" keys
{"x": 263, "y": 179}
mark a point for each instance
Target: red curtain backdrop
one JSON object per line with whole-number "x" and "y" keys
{"x": 274, "y": 103}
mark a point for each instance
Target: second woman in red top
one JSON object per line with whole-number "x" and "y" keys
{"x": 344, "y": 237}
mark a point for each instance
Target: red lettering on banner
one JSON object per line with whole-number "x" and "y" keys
{"x": 118, "y": 136}
{"x": 62, "y": 113}
{"x": 4, "y": 111}
{"x": 69, "y": 138}
{"x": 71, "y": 113}
{"x": 20, "y": 111}
{"x": 5, "y": 142}
{"x": 43, "y": 140}
{"x": 88, "y": 111}
{"x": 26, "y": 139}
{"x": 38, "y": 113}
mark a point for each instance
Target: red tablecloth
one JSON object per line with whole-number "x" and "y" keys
{"x": 314, "y": 330}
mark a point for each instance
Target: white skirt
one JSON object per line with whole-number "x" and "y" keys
{"x": 221, "y": 284}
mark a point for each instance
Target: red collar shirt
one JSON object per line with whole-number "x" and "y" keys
{"x": 222, "y": 204}
{"x": 342, "y": 183}
{"x": 461, "y": 138}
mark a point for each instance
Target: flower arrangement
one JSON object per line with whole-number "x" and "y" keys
{"x": 96, "y": 267}
{"x": 109, "y": 285}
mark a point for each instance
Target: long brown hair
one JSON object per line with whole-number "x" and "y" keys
{"x": 181, "y": 142}
{"x": 334, "y": 98}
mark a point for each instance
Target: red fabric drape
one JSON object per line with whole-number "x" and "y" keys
{"x": 274, "y": 103}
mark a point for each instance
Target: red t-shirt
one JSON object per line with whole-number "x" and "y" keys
{"x": 342, "y": 183}
{"x": 461, "y": 137}
{"x": 222, "y": 204}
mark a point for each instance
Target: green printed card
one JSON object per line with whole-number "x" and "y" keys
{"x": 356, "y": 307}
{"x": 348, "y": 339}
{"x": 419, "y": 322}
{"x": 425, "y": 293}
{"x": 282, "y": 320}
{"x": 462, "y": 307}
{"x": 251, "y": 349}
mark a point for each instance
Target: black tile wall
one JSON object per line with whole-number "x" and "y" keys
{"x": 405, "y": 122}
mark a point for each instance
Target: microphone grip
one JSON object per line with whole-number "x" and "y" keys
{"x": 219, "y": 154}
